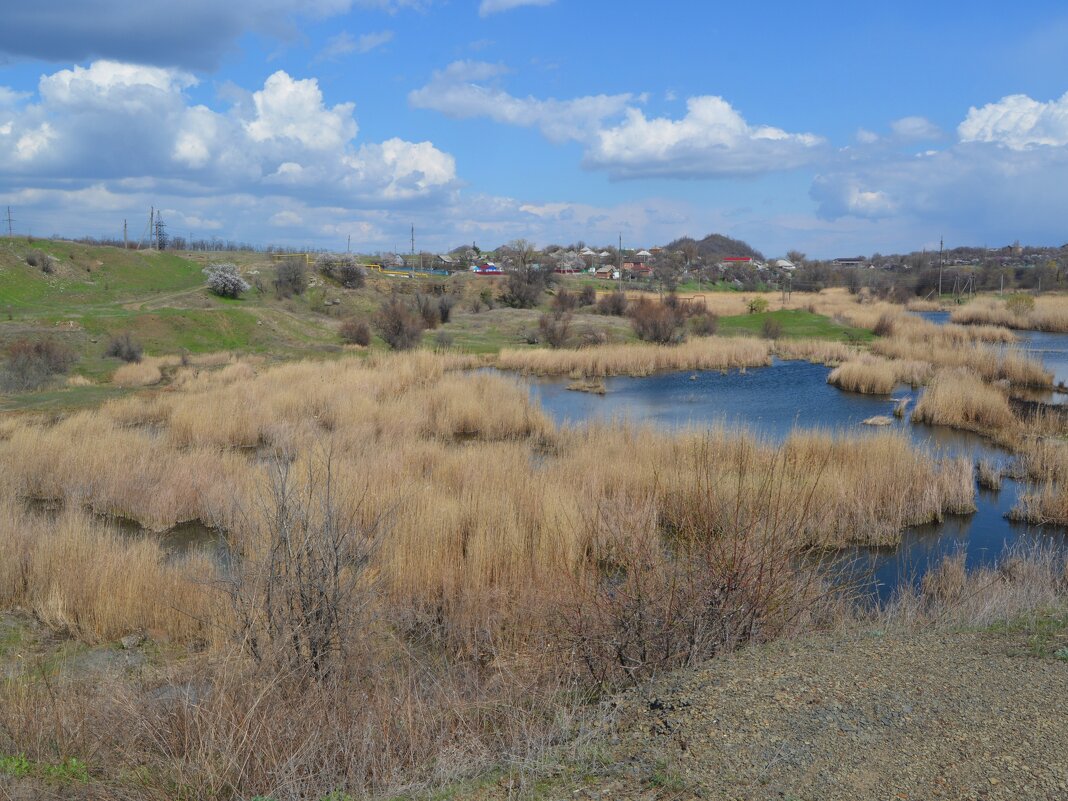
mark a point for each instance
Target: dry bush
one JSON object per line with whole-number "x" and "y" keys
{"x": 291, "y": 278}
{"x": 125, "y": 348}
{"x": 587, "y": 296}
{"x": 613, "y": 304}
{"x": 703, "y": 325}
{"x": 33, "y": 363}
{"x": 564, "y": 301}
{"x": 355, "y": 332}
{"x": 771, "y": 329}
{"x": 428, "y": 308}
{"x": 555, "y": 329}
{"x": 398, "y": 325}
{"x": 958, "y": 399}
{"x": 656, "y": 322}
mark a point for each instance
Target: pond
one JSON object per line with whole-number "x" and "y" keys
{"x": 787, "y": 396}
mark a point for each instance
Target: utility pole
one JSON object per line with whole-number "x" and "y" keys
{"x": 348, "y": 244}
{"x": 125, "y": 239}
{"x": 412, "y": 266}
{"x": 940, "y": 243}
{"x": 10, "y": 223}
{"x": 619, "y": 259}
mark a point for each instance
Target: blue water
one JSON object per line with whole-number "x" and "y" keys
{"x": 773, "y": 401}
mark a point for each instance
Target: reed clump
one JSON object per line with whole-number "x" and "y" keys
{"x": 959, "y": 399}
{"x": 1043, "y": 313}
{"x": 704, "y": 353}
{"x": 877, "y": 376}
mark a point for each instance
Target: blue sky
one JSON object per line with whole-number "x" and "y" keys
{"x": 831, "y": 128}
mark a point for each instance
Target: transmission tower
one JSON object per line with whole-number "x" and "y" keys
{"x": 160, "y": 233}
{"x": 10, "y": 223}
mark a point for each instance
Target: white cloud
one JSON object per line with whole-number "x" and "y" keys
{"x": 461, "y": 91}
{"x": 117, "y": 122}
{"x": 488, "y": 7}
{"x": 713, "y": 139}
{"x": 1018, "y": 122}
{"x": 866, "y": 137}
{"x": 344, "y": 43}
{"x": 293, "y": 109}
{"x": 915, "y": 129}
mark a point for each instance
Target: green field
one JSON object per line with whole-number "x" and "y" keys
{"x": 796, "y": 324}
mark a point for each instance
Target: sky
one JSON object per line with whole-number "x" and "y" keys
{"x": 827, "y": 127}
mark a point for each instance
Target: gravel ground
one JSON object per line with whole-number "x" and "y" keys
{"x": 844, "y": 717}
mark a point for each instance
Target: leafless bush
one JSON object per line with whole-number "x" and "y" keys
{"x": 771, "y": 329}
{"x": 587, "y": 296}
{"x": 398, "y": 325}
{"x": 356, "y": 332}
{"x": 125, "y": 348}
{"x": 46, "y": 263}
{"x": 655, "y": 322}
{"x": 564, "y": 301}
{"x": 300, "y": 590}
{"x": 613, "y": 304}
{"x": 32, "y": 363}
{"x": 429, "y": 310}
{"x": 291, "y": 278}
{"x": 445, "y": 305}
{"x": 885, "y": 325}
{"x": 554, "y": 328}
{"x": 703, "y": 325}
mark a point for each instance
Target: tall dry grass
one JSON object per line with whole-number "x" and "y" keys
{"x": 491, "y": 528}
{"x": 704, "y": 353}
{"x": 877, "y": 376}
{"x": 1050, "y": 313}
{"x": 959, "y": 399}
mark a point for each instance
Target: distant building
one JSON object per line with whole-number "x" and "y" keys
{"x": 850, "y": 261}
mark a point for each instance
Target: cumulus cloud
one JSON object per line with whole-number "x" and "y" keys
{"x": 1018, "y": 122}
{"x": 713, "y": 139}
{"x": 466, "y": 89}
{"x": 117, "y": 122}
{"x": 488, "y": 7}
{"x": 196, "y": 34}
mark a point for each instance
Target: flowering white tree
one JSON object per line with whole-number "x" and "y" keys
{"x": 225, "y": 281}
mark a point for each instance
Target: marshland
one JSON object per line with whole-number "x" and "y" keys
{"x": 414, "y": 539}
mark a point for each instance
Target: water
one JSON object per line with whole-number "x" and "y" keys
{"x": 774, "y": 401}
{"x": 1052, "y": 349}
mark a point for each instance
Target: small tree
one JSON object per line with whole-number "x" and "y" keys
{"x": 757, "y": 305}
{"x": 291, "y": 278}
{"x": 554, "y": 328}
{"x": 225, "y": 281}
{"x": 614, "y": 304}
{"x": 655, "y": 322}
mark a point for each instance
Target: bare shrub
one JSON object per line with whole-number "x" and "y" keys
{"x": 771, "y": 329}
{"x": 564, "y": 301}
{"x": 445, "y": 305}
{"x": 355, "y": 332}
{"x": 291, "y": 278}
{"x": 32, "y": 363}
{"x": 429, "y": 310}
{"x": 342, "y": 268}
{"x": 301, "y": 586}
{"x": 125, "y": 348}
{"x": 46, "y": 263}
{"x": 398, "y": 325}
{"x": 703, "y": 325}
{"x": 613, "y": 304}
{"x": 524, "y": 287}
{"x": 225, "y": 281}
{"x": 554, "y": 329}
{"x": 655, "y": 322}
{"x": 587, "y": 296}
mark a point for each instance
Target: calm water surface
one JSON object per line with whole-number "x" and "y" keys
{"x": 773, "y": 401}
